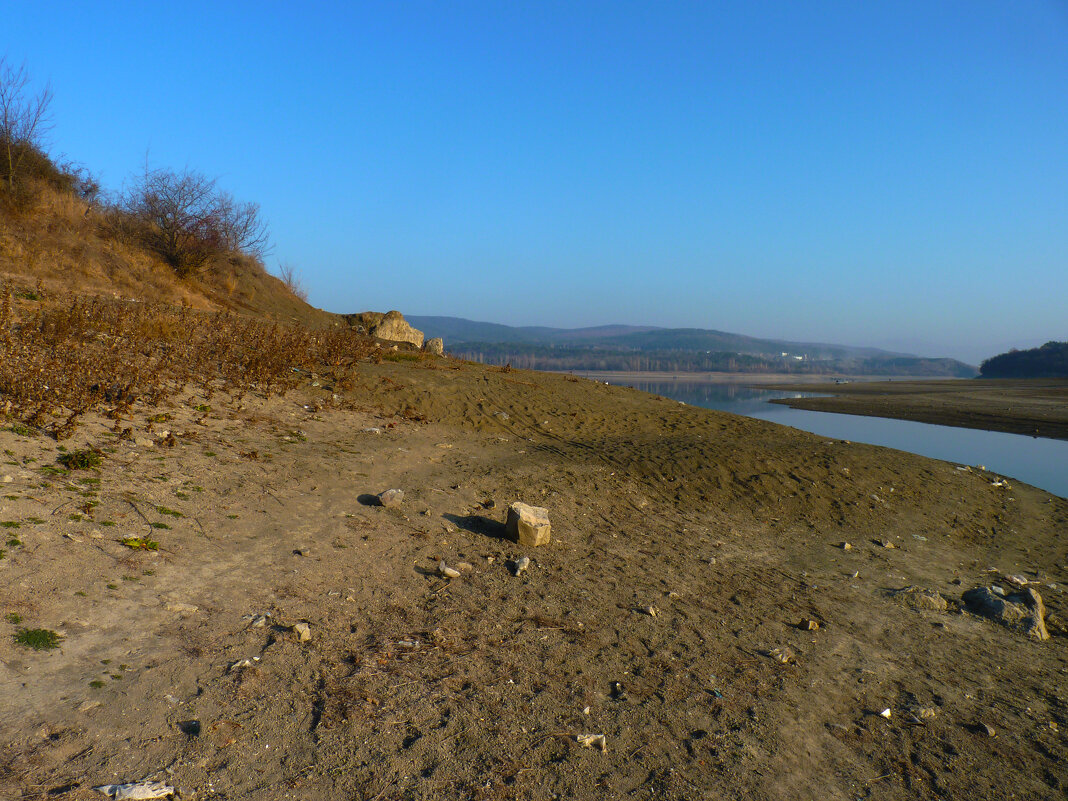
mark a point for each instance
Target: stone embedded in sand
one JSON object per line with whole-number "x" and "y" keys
{"x": 784, "y": 654}
{"x": 808, "y": 624}
{"x": 921, "y": 598}
{"x": 391, "y": 497}
{"x": 1021, "y": 611}
{"x": 528, "y": 525}
{"x": 303, "y": 631}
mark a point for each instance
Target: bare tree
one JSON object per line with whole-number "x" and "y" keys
{"x": 189, "y": 221}
{"x": 24, "y": 118}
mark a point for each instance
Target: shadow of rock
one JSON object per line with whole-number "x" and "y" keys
{"x": 368, "y": 500}
{"x": 477, "y": 524}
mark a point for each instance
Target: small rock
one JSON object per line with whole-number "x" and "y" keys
{"x": 845, "y": 546}
{"x": 990, "y": 731}
{"x": 807, "y": 624}
{"x": 920, "y": 598}
{"x": 391, "y": 498}
{"x": 303, "y": 631}
{"x": 652, "y": 611}
{"x": 928, "y": 712}
{"x": 520, "y": 564}
{"x": 1018, "y": 580}
{"x": 434, "y": 346}
{"x": 886, "y": 713}
{"x": 244, "y": 663}
{"x": 372, "y": 430}
{"x": 144, "y": 442}
{"x": 464, "y": 566}
{"x": 528, "y": 525}
{"x": 885, "y": 544}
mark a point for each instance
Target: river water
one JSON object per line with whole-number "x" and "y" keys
{"x": 1036, "y": 461}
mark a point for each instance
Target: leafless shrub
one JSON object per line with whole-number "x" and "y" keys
{"x": 288, "y": 273}
{"x": 188, "y": 221}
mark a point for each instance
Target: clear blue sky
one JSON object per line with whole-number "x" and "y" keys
{"x": 890, "y": 174}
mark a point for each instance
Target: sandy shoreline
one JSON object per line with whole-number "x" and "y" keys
{"x": 1036, "y": 407}
{"x": 673, "y": 612}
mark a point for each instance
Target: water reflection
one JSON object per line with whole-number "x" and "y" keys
{"x": 1040, "y": 462}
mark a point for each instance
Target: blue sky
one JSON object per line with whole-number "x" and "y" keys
{"x": 889, "y": 174}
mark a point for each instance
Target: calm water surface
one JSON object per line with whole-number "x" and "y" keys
{"x": 1040, "y": 462}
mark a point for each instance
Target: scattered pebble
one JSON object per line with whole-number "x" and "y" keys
{"x": 845, "y": 546}
{"x": 464, "y": 566}
{"x": 886, "y": 713}
{"x": 391, "y": 498}
{"x": 928, "y": 712}
{"x": 807, "y": 624}
{"x": 519, "y": 565}
{"x": 990, "y": 731}
{"x": 303, "y": 631}
{"x": 652, "y": 611}
{"x": 238, "y": 665}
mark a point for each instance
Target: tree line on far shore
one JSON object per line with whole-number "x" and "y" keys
{"x": 563, "y": 358}
{"x": 1048, "y": 361}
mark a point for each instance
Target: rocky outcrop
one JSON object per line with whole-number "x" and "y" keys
{"x": 435, "y": 346}
{"x": 1022, "y": 611}
{"x": 390, "y": 326}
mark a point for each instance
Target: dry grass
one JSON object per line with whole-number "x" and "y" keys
{"x": 61, "y": 359}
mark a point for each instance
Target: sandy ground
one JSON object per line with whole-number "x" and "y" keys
{"x": 688, "y": 546}
{"x": 1038, "y": 407}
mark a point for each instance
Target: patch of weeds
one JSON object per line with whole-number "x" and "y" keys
{"x": 401, "y": 356}
{"x": 195, "y": 488}
{"x": 96, "y": 684}
{"x": 110, "y": 449}
{"x": 112, "y": 586}
{"x": 163, "y": 510}
{"x": 35, "y": 521}
{"x": 10, "y": 524}
{"x": 13, "y": 617}
{"x": 75, "y": 518}
{"x": 12, "y": 497}
{"x": 105, "y": 661}
{"x": 61, "y": 448}
{"x": 89, "y": 480}
{"x": 116, "y": 676}
{"x": 14, "y": 542}
{"x": 124, "y": 667}
{"x": 203, "y": 408}
{"x": 83, "y": 459}
{"x": 3, "y": 553}
{"x": 140, "y": 543}
{"x": 163, "y": 526}
{"x": 232, "y": 517}
{"x": 21, "y": 430}
{"x": 181, "y": 495}
{"x": 80, "y": 594}
{"x": 131, "y": 578}
{"x": 210, "y": 454}
{"x": 37, "y": 639}
{"x": 159, "y": 418}
{"x": 148, "y": 573}
{"x": 50, "y": 470}
{"x": 108, "y": 523}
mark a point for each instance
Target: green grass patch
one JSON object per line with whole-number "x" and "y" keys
{"x": 96, "y": 684}
{"x": 21, "y": 430}
{"x": 401, "y": 356}
{"x": 163, "y": 510}
{"x": 140, "y": 543}
{"x": 10, "y": 524}
{"x": 13, "y": 617}
{"x": 112, "y": 586}
{"x": 37, "y": 639}
{"x": 107, "y": 523}
{"x": 83, "y": 459}
{"x": 163, "y": 526}
{"x": 14, "y": 542}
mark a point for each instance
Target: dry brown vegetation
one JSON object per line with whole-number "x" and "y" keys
{"x": 61, "y": 359}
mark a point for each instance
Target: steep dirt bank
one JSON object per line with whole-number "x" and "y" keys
{"x": 416, "y": 686}
{"x": 1038, "y": 407}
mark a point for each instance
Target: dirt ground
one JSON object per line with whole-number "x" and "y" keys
{"x": 1037, "y": 406}
{"x": 688, "y": 545}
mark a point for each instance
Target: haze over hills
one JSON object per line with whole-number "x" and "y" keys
{"x": 624, "y": 347}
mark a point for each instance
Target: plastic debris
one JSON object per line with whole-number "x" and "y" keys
{"x": 592, "y": 741}
{"x": 446, "y": 571}
{"x": 136, "y": 790}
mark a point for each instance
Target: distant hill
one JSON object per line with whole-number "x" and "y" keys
{"x": 1048, "y": 361}
{"x": 649, "y": 348}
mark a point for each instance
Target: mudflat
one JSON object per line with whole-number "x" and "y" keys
{"x": 268, "y": 632}
{"x": 1038, "y": 407}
